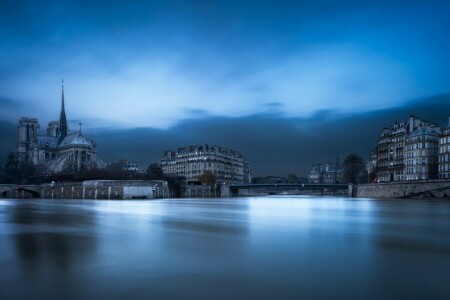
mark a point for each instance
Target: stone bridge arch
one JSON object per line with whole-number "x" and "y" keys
{"x": 20, "y": 191}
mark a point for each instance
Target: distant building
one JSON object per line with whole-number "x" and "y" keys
{"x": 57, "y": 151}
{"x": 192, "y": 161}
{"x": 129, "y": 166}
{"x": 391, "y": 151}
{"x": 269, "y": 180}
{"x": 444, "y": 153}
{"x": 326, "y": 173}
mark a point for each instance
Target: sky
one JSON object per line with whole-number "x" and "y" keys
{"x": 287, "y": 83}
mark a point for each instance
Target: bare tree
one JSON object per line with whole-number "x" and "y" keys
{"x": 354, "y": 171}
{"x": 154, "y": 171}
{"x": 208, "y": 177}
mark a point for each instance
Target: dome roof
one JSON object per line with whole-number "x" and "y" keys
{"x": 76, "y": 139}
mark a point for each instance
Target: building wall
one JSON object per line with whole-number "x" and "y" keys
{"x": 444, "y": 154}
{"x": 421, "y": 156}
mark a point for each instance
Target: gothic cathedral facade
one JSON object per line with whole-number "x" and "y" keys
{"x": 58, "y": 150}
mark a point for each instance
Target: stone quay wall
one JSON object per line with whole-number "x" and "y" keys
{"x": 106, "y": 189}
{"x": 199, "y": 191}
{"x": 82, "y": 192}
{"x": 402, "y": 189}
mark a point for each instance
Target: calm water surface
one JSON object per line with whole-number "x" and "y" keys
{"x": 241, "y": 248}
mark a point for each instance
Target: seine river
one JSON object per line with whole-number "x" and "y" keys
{"x": 241, "y": 248}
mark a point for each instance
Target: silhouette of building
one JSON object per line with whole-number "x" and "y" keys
{"x": 57, "y": 151}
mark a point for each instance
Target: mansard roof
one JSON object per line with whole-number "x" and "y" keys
{"x": 425, "y": 131}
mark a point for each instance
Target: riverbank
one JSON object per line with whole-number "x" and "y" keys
{"x": 413, "y": 189}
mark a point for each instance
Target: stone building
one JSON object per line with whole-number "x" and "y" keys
{"x": 57, "y": 151}
{"x": 444, "y": 153}
{"x": 326, "y": 173}
{"x": 390, "y": 150}
{"x": 228, "y": 165}
{"x": 421, "y": 154}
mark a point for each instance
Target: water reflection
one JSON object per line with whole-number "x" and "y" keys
{"x": 246, "y": 248}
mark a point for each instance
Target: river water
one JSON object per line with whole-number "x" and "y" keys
{"x": 241, "y": 248}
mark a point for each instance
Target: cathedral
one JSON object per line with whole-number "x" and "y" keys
{"x": 59, "y": 150}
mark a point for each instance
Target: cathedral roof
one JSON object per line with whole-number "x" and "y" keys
{"x": 76, "y": 139}
{"x": 47, "y": 141}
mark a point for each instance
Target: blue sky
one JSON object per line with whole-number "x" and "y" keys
{"x": 159, "y": 64}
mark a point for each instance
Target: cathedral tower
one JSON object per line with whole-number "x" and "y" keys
{"x": 27, "y": 134}
{"x": 63, "y": 130}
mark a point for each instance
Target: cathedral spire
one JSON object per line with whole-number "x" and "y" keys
{"x": 62, "y": 117}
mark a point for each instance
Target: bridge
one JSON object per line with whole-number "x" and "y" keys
{"x": 20, "y": 191}
{"x": 247, "y": 189}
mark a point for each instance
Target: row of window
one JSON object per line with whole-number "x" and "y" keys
{"x": 413, "y": 162}
{"x": 444, "y": 149}
{"x": 415, "y": 170}
{"x": 444, "y": 168}
{"x": 420, "y": 146}
{"x": 444, "y": 140}
{"x": 444, "y": 158}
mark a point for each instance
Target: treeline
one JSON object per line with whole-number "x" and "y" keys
{"x": 16, "y": 172}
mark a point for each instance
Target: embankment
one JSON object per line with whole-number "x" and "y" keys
{"x": 413, "y": 189}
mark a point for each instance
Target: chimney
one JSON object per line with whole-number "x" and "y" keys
{"x": 411, "y": 123}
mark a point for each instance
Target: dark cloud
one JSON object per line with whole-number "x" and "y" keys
{"x": 274, "y": 145}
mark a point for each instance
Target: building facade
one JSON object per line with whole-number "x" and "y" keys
{"x": 444, "y": 153}
{"x": 391, "y": 149}
{"x": 326, "y": 173}
{"x": 229, "y": 166}
{"x": 421, "y": 154}
{"x": 57, "y": 151}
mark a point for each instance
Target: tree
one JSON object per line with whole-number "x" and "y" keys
{"x": 12, "y": 168}
{"x": 208, "y": 178}
{"x": 292, "y": 178}
{"x": 18, "y": 172}
{"x": 354, "y": 170}
{"x": 155, "y": 172}
{"x": 372, "y": 176}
